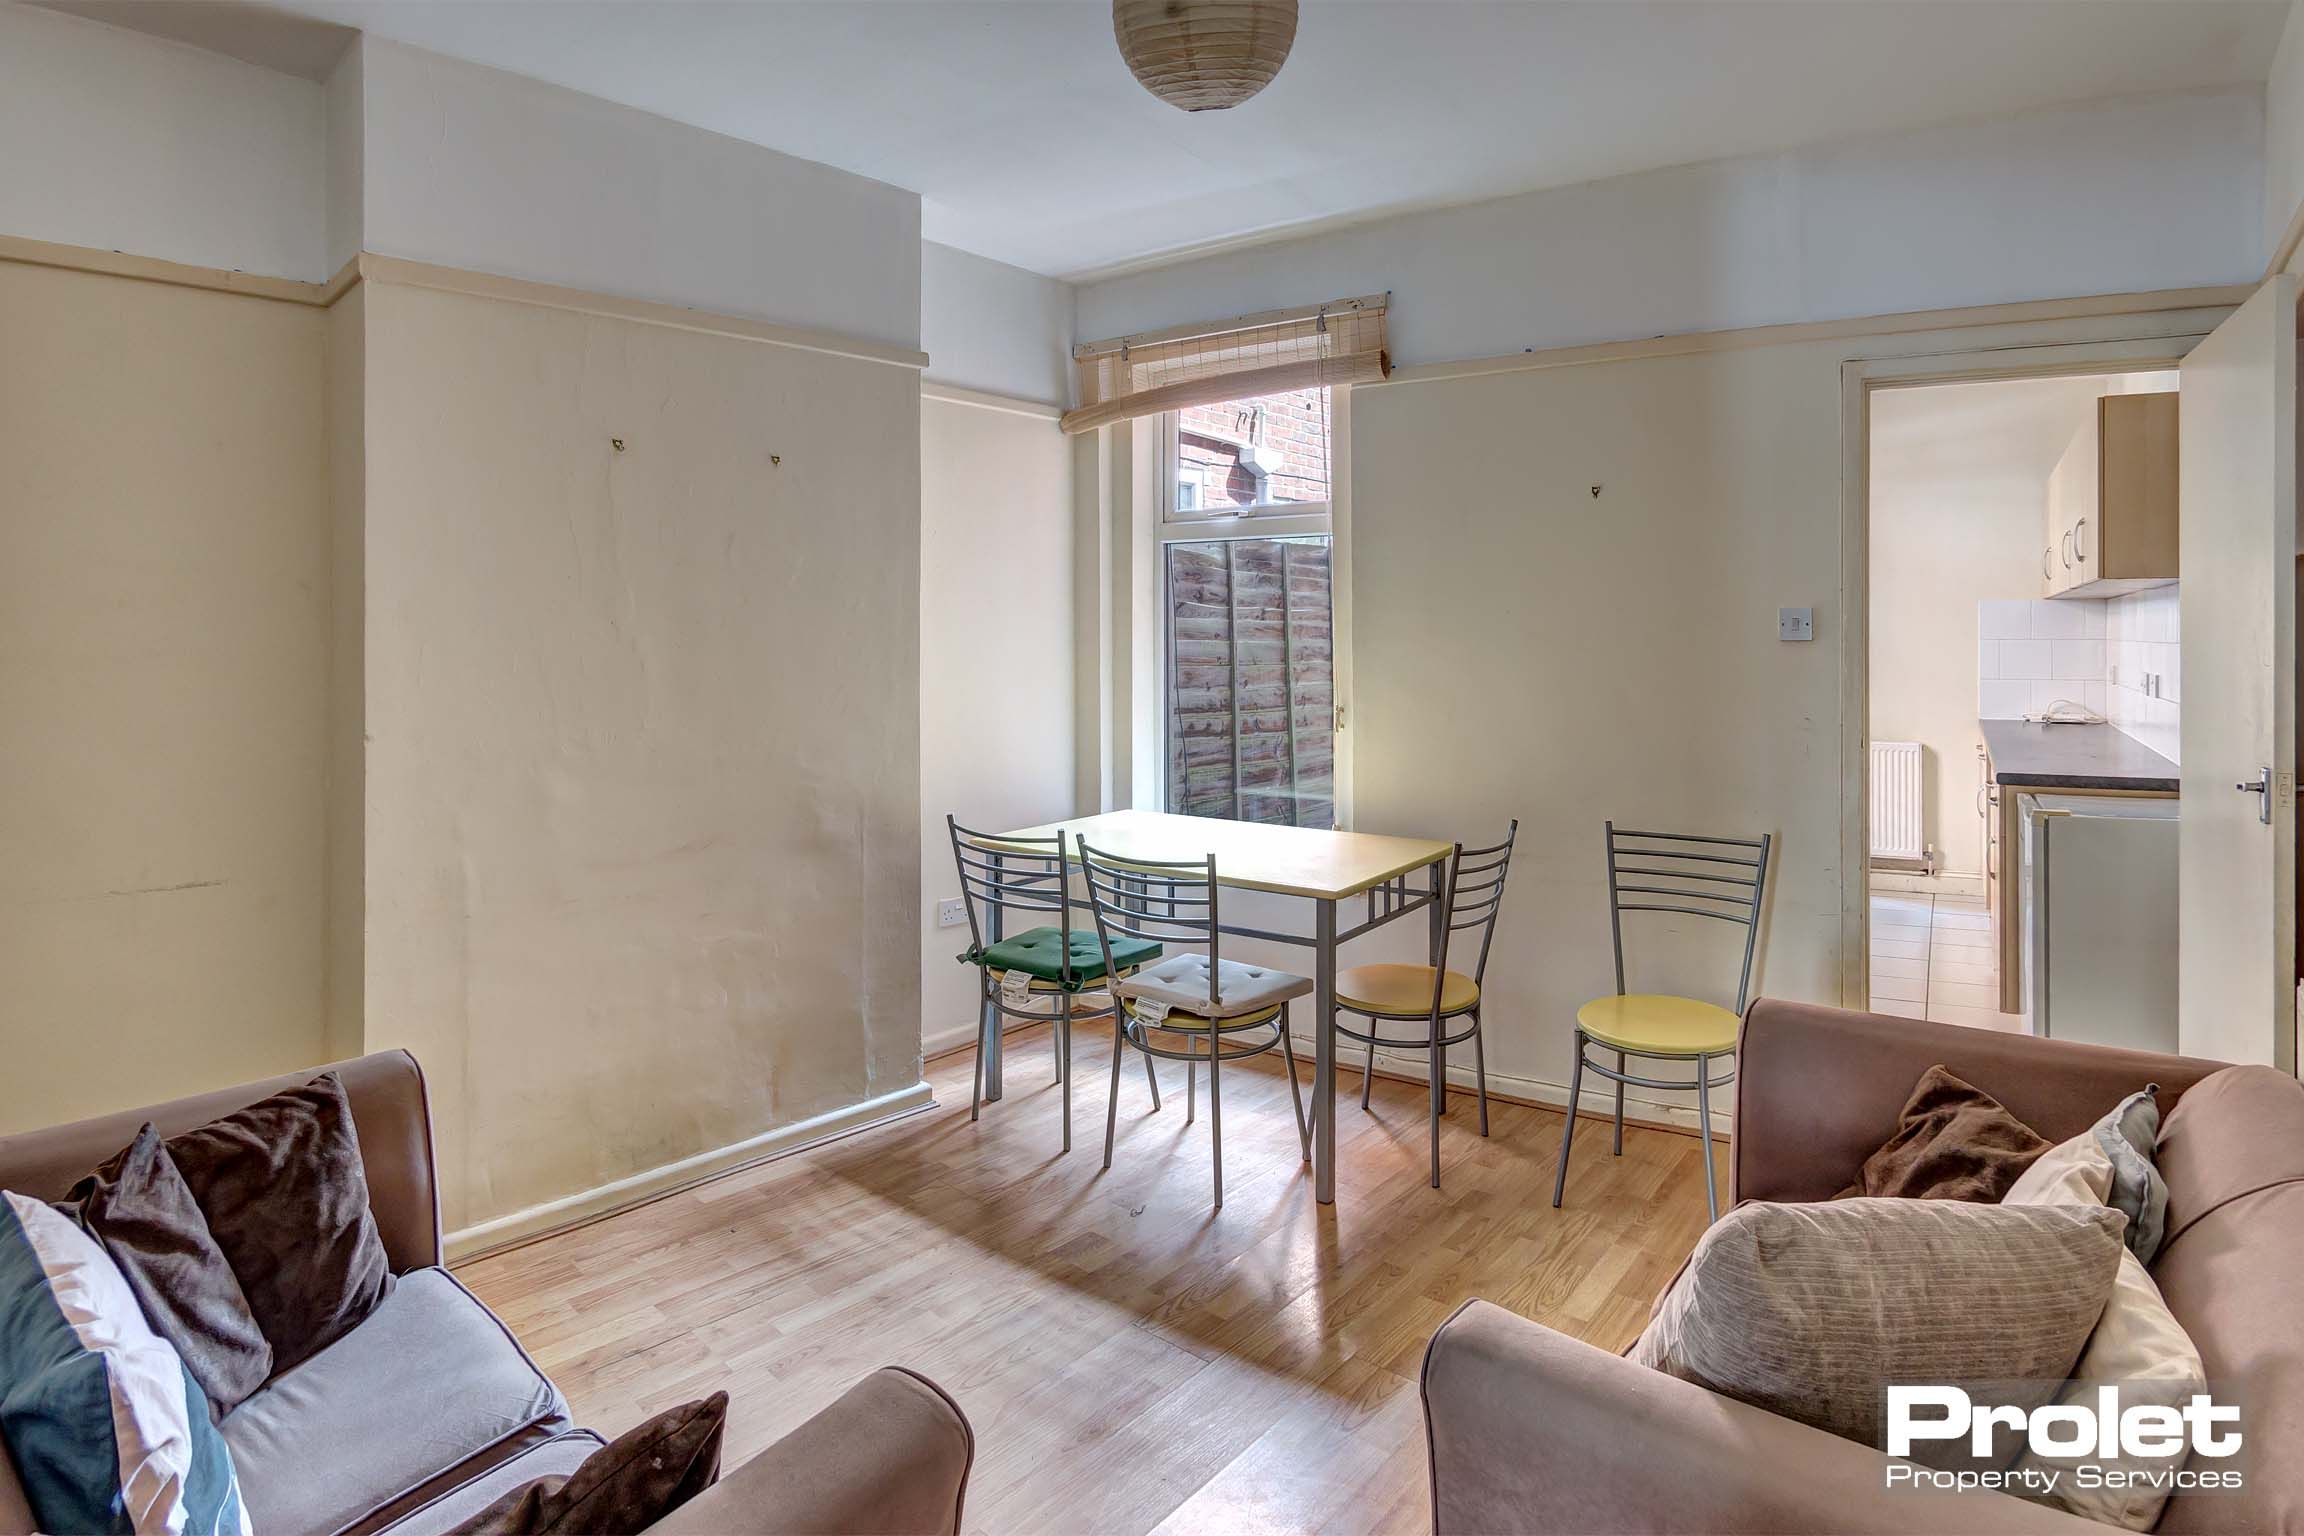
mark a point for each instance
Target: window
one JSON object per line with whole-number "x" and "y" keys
{"x": 1250, "y": 697}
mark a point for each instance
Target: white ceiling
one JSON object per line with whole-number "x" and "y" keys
{"x": 1028, "y": 141}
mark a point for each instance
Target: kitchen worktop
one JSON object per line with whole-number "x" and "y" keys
{"x": 2028, "y": 756}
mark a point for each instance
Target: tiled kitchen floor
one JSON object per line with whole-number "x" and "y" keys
{"x": 1933, "y": 957}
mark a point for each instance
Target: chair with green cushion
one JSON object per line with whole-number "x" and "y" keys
{"x": 1051, "y": 964}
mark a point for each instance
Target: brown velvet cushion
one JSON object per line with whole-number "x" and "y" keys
{"x": 1953, "y": 1141}
{"x": 282, "y": 1186}
{"x": 139, "y": 1207}
{"x": 622, "y": 1488}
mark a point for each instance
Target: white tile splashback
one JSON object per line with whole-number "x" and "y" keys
{"x": 2144, "y": 667}
{"x": 2032, "y": 653}
{"x": 2122, "y": 657}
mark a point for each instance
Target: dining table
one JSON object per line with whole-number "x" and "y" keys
{"x": 1394, "y": 876}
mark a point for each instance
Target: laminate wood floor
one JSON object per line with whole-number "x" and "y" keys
{"x": 1132, "y": 1360}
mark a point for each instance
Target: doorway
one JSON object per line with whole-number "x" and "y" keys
{"x": 2006, "y": 641}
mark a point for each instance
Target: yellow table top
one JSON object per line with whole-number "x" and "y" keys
{"x": 1290, "y": 861}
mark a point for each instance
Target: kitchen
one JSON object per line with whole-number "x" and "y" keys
{"x": 2026, "y": 695}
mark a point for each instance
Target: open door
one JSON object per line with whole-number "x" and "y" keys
{"x": 2237, "y": 868}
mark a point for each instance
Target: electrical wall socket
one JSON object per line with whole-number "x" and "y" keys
{"x": 951, "y": 912}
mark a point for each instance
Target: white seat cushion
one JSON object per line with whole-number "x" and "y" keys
{"x": 1181, "y": 982}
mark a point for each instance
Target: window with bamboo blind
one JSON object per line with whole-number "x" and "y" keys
{"x": 1278, "y": 352}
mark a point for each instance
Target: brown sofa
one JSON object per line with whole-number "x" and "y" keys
{"x": 429, "y": 1410}
{"x": 1532, "y": 1431}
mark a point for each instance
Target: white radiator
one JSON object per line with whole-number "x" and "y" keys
{"x": 1896, "y": 800}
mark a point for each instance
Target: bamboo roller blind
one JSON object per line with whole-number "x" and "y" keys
{"x": 1338, "y": 343}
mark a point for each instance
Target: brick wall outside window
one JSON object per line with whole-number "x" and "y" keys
{"x": 1211, "y": 441}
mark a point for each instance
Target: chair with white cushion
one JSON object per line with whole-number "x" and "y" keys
{"x": 1723, "y": 878}
{"x": 1413, "y": 1007}
{"x": 1204, "y": 1009}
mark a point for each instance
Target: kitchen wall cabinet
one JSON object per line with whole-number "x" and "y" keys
{"x": 2111, "y": 517}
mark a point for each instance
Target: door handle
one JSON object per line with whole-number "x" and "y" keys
{"x": 2261, "y": 787}
{"x": 2067, "y": 548}
{"x": 2080, "y": 542}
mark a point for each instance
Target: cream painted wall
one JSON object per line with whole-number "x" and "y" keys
{"x": 1617, "y": 656}
{"x": 643, "y": 861}
{"x": 1959, "y": 487}
{"x": 996, "y": 746}
{"x": 346, "y": 783}
{"x": 122, "y": 141}
{"x": 164, "y": 611}
{"x": 1611, "y": 657}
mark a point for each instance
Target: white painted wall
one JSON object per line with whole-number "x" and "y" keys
{"x": 996, "y": 659}
{"x": 126, "y": 142}
{"x": 2130, "y": 195}
{"x": 472, "y": 167}
{"x": 2284, "y": 131}
{"x": 343, "y": 100}
{"x": 989, "y": 326}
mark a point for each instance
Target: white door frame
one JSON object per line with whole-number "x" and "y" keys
{"x": 2123, "y": 343}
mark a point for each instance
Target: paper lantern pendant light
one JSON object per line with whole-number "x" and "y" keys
{"x": 1204, "y": 55}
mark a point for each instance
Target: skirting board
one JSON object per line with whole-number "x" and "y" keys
{"x": 960, "y": 1037}
{"x": 1650, "y": 1114}
{"x": 591, "y": 1205}
{"x": 1970, "y": 886}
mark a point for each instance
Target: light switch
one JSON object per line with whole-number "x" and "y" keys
{"x": 1795, "y": 623}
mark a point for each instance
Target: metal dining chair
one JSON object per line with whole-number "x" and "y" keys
{"x": 1051, "y": 964}
{"x": 1208, "y": 1010}
{"x": 1431, "y": 997}
{"x": 1723, "y": 878}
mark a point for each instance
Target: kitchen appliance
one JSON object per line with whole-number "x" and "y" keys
{"x": 2098, "y": 887}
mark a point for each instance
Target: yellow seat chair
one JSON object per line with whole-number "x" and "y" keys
{"x": 1410, "y": 1007}
{"x": 1724, "y": 878}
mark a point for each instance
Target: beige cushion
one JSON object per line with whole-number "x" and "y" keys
{"x": 2138, "y": 1345}
{"x": 1181, "y": 982}
{"x": 1812, "y": 1311}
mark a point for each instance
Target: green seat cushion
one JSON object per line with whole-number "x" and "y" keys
{"x": 1040, "y": 952}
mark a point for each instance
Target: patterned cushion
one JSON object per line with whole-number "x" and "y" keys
{"x": 1039, "y": 952}
{"x": 107, "y": 1429}
{"x": 1812, "y": 1311}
